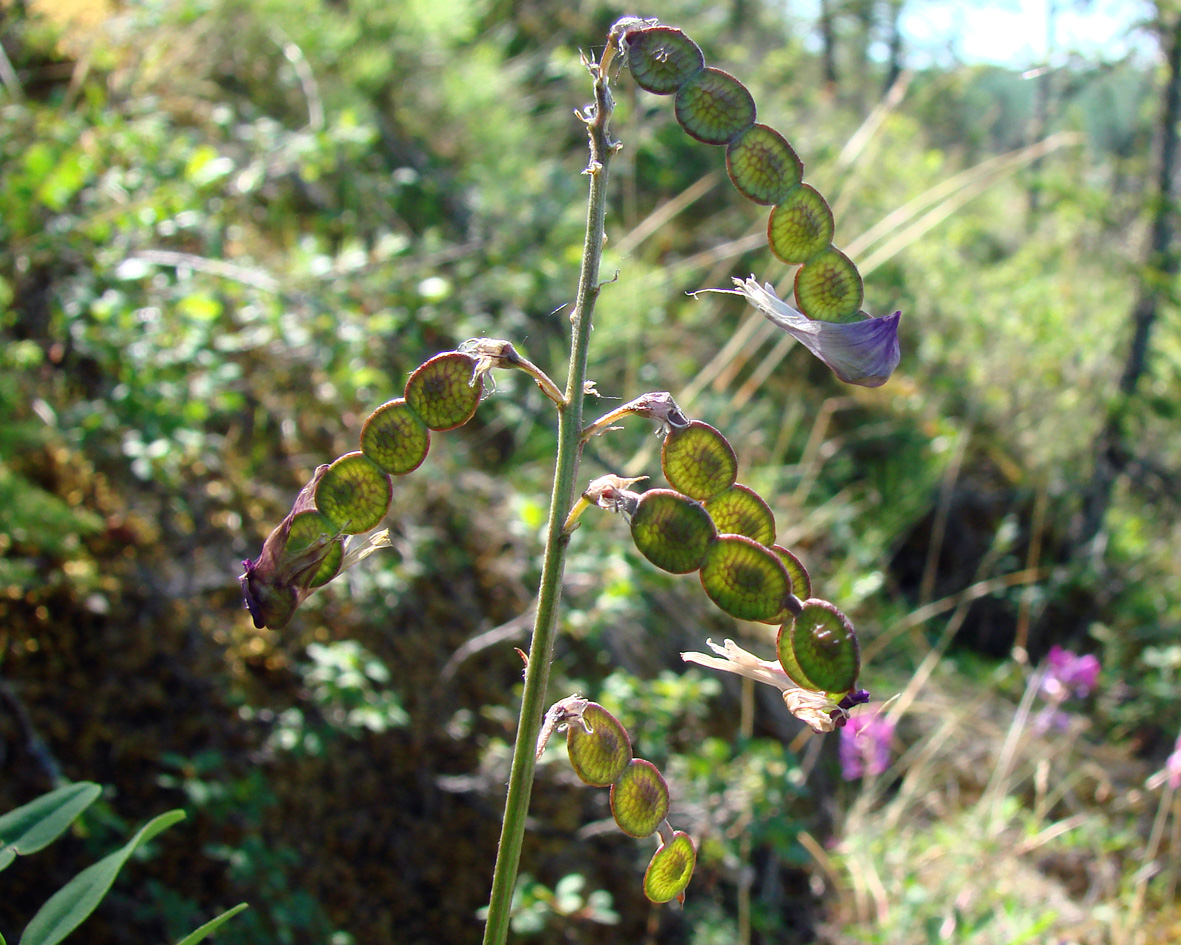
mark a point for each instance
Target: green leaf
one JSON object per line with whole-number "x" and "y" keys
{"x": 37, "y": 824}
{"x": 69, "y": 906}
{"x": 209, "y": 927}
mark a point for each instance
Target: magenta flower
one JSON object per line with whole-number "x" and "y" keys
{"x": 1173, "y": 766}
{"x": 1068, "y": 674}
{"x": 865, "y": 746}
{"x": 863, "y": 353}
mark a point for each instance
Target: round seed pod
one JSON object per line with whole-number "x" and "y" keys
{"x": 714, "y": 107}
{"x": 741, "y": 511}
{"x": 800, "y": 225}
{"x": 441, "y": 391}
{"x": 671, "y": 530}
{"x": 828, "y": 287}
{"x": 639, "y": 798}
{"x": 801, "y": 582}
{"x": 354, "y": 494}
{"x": 598, "y": 756}
{"x": 825, "y": 647}
{"x": 744, "y": 578}
{"x": 787, "y": 657}
{"x": 762, "y": 166}
{"x": 311, "y": 526}
{"x": 698, "y": 461}
{"x": 662, "y": 59}
{"x": 670, "y": 869}
{"x": 395, "y": 439}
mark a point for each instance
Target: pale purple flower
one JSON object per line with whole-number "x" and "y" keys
{"x": 863, "y": 353}
{"x": 1173, "y": 766}
{"x": 1068, "y": 674}
{"x": 865, "y": 745}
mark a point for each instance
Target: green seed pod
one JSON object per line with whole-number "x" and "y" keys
{"x": 670, "y": 869}
{"x": 741, "y": 511}
{"x": 698, "y": 461}
{"x": 825, "y": 647}
{"x": 639, "y": 799}
{"x": 787, "y": 657}
{"x": 354, "y": 494}
{"x": 395, "y": 439}
{"x": 662, "y": 59}
{"x": 744, "y": 578}
{"x": 714, "y": 107}
{"x": 600, "y": 755}
{"x": 800, "y": 225}
{"x": 671, "y": 530}
{"x": 312, "y": 527}
{"x": 762, "y": 165}
{"x": 801, "y": 582}
{"x": 444, "y": 391}
{"x": 828, "y": 287}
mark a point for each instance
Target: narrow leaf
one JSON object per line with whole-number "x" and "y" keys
{"x": 37, "y": 824}
{"x": 69, "y": 906}
{"x": 209, "y": 927}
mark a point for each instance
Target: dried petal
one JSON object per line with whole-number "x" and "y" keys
{"x": 864, "y": 353}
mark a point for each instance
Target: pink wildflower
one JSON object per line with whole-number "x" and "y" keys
{"x": 1173, "y": 766}
{"x": 865, "y": 745}
{"x": 1068, "y": 674}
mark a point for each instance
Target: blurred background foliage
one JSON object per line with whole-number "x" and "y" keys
{"x": 230, "y": 228}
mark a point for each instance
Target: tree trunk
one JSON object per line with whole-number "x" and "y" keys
{"x": 828, "y": 39}
{"x": 894, "y": 63}
{"x": 1112, "y": 453}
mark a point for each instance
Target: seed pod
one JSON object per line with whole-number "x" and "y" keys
{"x": 600, "y": 755}
{"x": 312, "y": 527}
{"x": 354, "y": 494}
{"x": 714, "y": 107}
{"x": 762, "y": 166}
{"x": 671, "y": 530}
{"x": 744, "y": 578}
{"x": 445, "y": 391}
{"x": 828, "y": 287}
{"x": 662, "y": 59}
{"x": 800, "y": 225}
{"x": 823, "y": 646}
{"x": 787, "y": 657}
{"x": 741, "y": 511}
{"x": 671, "y": 868}
{"x": 801, "y": 582}
{"x": 395, "y": 438}
{"x": 698, "y": 461}
{"x": 639, "y": 798}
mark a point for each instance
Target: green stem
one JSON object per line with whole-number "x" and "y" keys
{"x": 533, "y": 698}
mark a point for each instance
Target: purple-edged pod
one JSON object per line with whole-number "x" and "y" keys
{"x": 829, "y": 287}
{"x": 762, "y": 166}
{"x": 714, "y": 107}
{"x": 445, "y": 391}
{"x": 820, "y": 645}
{"x": 662, "y": 59}
{"x": 801, "y": 581}
{"x": 670, "y": 869}
{"x": 313, "y": 530}
{"x": 598, "y": 746}
{"x": 698, "y": 461}
{"x": 671, "y": 530}
{"x": 745, "y": 579}
{"x": 639, "y": 798}
{"x": 354, "y": 494}
{"x": 741, "y": 511}
{"x": 304, "y": 551}
{"x": 800, "y": 225}
{"x": 395, "y": 438}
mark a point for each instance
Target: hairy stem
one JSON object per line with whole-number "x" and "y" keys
{"x": 533, "y": 699}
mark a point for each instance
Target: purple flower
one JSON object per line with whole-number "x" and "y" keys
{"x": 1173, "y": 766}
{"x": 865, "y": 746}
{"x": 1068, "y": 674}
{"x": 863, "y": 353}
